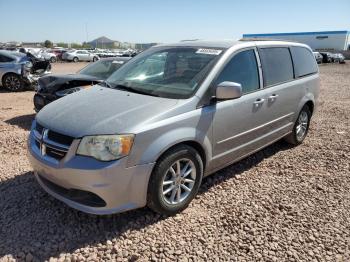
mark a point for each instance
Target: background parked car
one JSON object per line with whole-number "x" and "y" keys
{"x": 15, "y": 70}
{"x": 327, "y": 57}
{"x": 48, "y": 55}
{"x": 79, "y": 55}
{"x": 40, "y": 65}
{"x": 318, "y": 57}
{"x": 53, "y": 87}
{"x": 58, "y": 53}
{"x": 339, "y": 58}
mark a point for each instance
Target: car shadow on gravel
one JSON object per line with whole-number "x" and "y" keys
{"x": 26, "y": 89}
{"x": 24, "y": 121}
{"x": 243, "y": 165}
{"x": 34, "y": 222}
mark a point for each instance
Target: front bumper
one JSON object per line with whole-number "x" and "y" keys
{"x": 120, "y": 187}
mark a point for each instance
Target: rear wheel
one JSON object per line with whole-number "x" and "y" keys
{"x": 53, "y": 59}
{"x": 13, "y": 82}
{"x": 175, "y": 180}
{"x": 94, "y": 59}
{"x": 75, "y": 59}
{"x": 301, "y": 127}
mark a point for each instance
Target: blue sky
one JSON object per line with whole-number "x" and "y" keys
{"x": 165, "y": 21}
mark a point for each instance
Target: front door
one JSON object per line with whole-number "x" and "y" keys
{"x": 238, "y": 123}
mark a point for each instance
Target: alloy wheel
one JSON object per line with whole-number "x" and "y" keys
{"x": 301, "y": 128}
{"x": 13, "y": 83}
{"x": 178, "y": 181}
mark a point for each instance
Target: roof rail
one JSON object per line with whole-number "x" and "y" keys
{"x": 248, "y": 39}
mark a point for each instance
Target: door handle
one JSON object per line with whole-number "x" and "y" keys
{"x": 259, "y": 101}
{"x": 273, "y": 97}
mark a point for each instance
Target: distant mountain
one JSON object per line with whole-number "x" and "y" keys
{"x": 103, "y": 41}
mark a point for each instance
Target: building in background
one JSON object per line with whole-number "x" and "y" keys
{"x": 318, "y": 41}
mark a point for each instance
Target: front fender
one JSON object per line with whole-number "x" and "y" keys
{"x": 194, "y": 127}
{"x": 175, "y": 137}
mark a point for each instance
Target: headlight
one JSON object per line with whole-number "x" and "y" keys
{"x": 28, "y": 64}
{"x": 106, "y": 147}
{"x": 68, "y": 91}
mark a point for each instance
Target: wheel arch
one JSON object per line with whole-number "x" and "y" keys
{"x": 310, "y": 105}
{"x": 191, "y": 143}
{"x": 161, "y": 143}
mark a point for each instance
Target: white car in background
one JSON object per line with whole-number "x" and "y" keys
{"x": 42, "y": 53}
{"x": 318, "y": 57}
{"x": 47, "y": 56}
{"x": 79, "y": 55}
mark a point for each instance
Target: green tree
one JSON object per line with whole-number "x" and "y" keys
{"x": 61, "y": 44}
{"x": 48, "y": 44}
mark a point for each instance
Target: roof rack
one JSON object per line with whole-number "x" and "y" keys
{"x": 248, "y": 39}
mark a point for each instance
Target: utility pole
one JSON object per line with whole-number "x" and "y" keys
{"x": 86, "y": 31}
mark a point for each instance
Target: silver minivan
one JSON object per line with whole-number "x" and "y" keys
{"x": 169, "y": 117}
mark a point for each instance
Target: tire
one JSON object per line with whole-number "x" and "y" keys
{"x": 53, "y": 59}
{"x": 13, "y": 82}
{"x": 164, "y": 198}
{"x": 75, "y": 59}
{"x": 301, "y": 127}
{"x": 94, "y": 59}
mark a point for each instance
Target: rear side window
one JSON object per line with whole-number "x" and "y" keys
{"x": 4, "y": 59}
{"x": 276, "y": 64}
{"x": 304, "y": 61}
{"x": 242, "y": 69}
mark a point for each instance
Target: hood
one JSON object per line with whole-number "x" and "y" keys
{"x": 53, "y": 82}
{"x": 99, "y": 110}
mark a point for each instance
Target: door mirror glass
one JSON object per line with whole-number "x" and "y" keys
{"x": 228, "y": 90}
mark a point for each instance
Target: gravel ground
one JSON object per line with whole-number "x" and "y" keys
{"x": 280, "y": 204}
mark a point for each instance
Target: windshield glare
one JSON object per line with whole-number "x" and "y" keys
{"x": 167, "y": 72}
{"x": 102, "y": 69}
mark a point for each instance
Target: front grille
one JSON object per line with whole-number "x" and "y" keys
{"x": 50, "y": 143}
{"x": 39, "y": 128}
{"x": 80, "y": 196}
{"x": 59, "y": 138}
{"x": 54, "y": 153}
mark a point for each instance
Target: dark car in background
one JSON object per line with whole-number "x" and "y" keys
{"x": 327, "y": 57}
{"x": 53, "y": 87}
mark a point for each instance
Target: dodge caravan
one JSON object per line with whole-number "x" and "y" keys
{"x": 169, "y": 117}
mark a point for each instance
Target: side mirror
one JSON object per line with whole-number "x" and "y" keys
{"x": 228, "y": 90}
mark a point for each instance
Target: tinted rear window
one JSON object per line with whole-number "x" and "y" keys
{"x": 304, "y": 61}
{"x": 276, "y": 64}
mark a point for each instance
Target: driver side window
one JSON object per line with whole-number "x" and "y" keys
{"x": 242, "y": 69}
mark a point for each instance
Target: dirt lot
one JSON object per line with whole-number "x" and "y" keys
{"x": 280, "y": 204}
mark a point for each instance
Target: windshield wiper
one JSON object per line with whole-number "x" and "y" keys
{"x": 133, "y": 90}
{"x": 105, "y": 84}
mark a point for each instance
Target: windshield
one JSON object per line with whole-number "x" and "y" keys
{"x": 102, "y": 69}
{"x": 166, "y": 72}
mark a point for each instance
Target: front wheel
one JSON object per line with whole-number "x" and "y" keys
{"x": 94, "y": 59}
{"x": 13, "y": 82}
{"x": 75, "y": 59}
{"x": 301, "y": 127}
{"x": 175, "y": 180}
{"x": 53, "y": 59}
